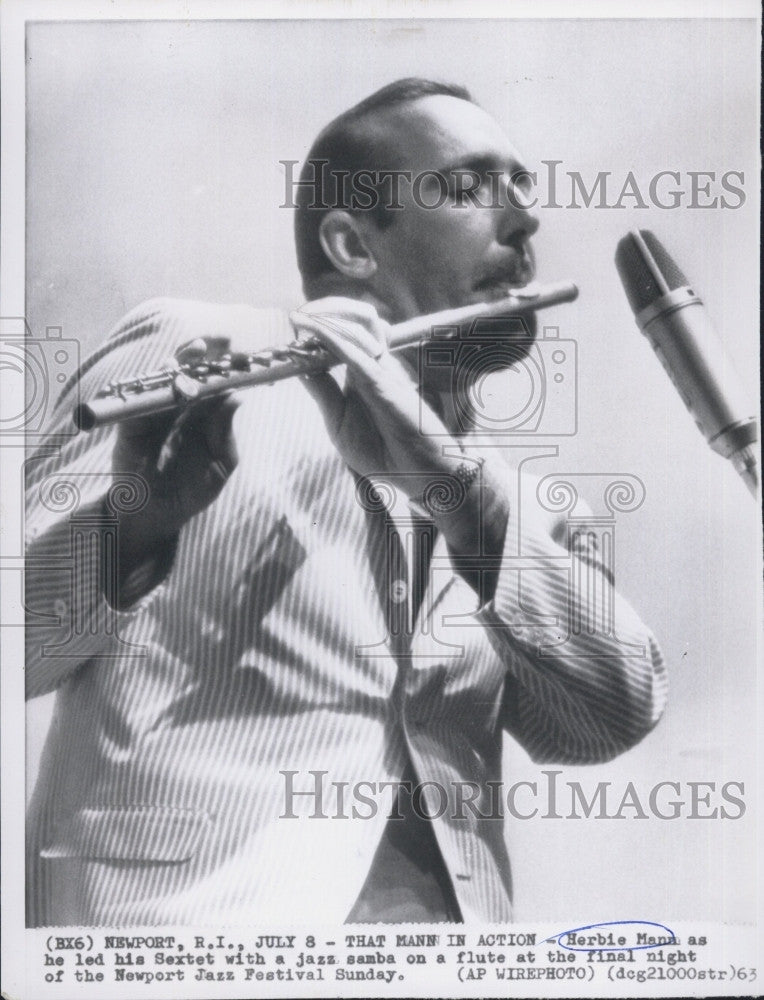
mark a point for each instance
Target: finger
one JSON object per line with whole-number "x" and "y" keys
{"x": 338, "y": 305}
{"x": 352, "y": 314}
{"x": 203, "y": 440}
{"x": 221, "y": 442}
{"x": 351, "y": 345}
{"x": 144, "y": 438}
{"x": 202, "y": 347}
{"x": 195, "y": 350}
{"x": 205, "y": 414}
{"x": 330, "y": 398}
{"x": 154, "y": 425}
{"x": 217, "y": 346}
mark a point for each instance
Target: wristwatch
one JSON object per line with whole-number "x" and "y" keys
{"x": 446, "y": 493}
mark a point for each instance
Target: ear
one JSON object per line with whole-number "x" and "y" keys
{"x": 343, "y": 242}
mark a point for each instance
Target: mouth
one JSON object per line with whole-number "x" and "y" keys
{"x": 507, "y": 278}
{"x": 498, "y": 290}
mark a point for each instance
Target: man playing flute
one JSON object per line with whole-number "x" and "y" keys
{"x": 286, "y": 698}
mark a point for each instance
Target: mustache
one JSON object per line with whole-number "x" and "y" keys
{"x": 517, "y": 270}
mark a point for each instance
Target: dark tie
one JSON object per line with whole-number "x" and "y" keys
{"x": 410, "y": 543}
{"x": 408, "y": 880}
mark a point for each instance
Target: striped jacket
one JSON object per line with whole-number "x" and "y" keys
{"x": 262, "y": 667}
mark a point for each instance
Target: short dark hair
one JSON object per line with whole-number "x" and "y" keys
{"x": 345, "y": 145}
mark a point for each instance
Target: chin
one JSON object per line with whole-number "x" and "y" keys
{"x": 491, "y": 345}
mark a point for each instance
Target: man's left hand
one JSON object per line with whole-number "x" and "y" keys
{"x": 382, "y": 426}
{"x": 379, "y": 423}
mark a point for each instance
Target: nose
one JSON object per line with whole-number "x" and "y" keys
{"x": 519, "y": 217}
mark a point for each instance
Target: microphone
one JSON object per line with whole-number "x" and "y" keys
{"x": 673, "y": 318}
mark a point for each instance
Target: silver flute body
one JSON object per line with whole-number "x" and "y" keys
{"x": 176, "y": 386}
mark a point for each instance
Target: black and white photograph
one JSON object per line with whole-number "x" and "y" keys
{"x": 381, "y": 559}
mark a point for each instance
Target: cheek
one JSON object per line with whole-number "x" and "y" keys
{"x": 448, "y": 264}
{"x": 437, "y": 253}
{"x": 468, "y": 230}
{"x": 455, "y": 254}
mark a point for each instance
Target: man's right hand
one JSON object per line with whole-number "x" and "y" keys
{"x": 185, "y": 460}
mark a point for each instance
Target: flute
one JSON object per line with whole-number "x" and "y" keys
{"x": 176, "y": 386}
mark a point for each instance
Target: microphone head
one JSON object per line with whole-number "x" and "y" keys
{"x": 646, "y": 269}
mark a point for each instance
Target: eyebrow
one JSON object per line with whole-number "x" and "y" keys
{"x": 481, "y": 163}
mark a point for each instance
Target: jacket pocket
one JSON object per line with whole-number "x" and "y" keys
{"x": 130, "y": 833}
